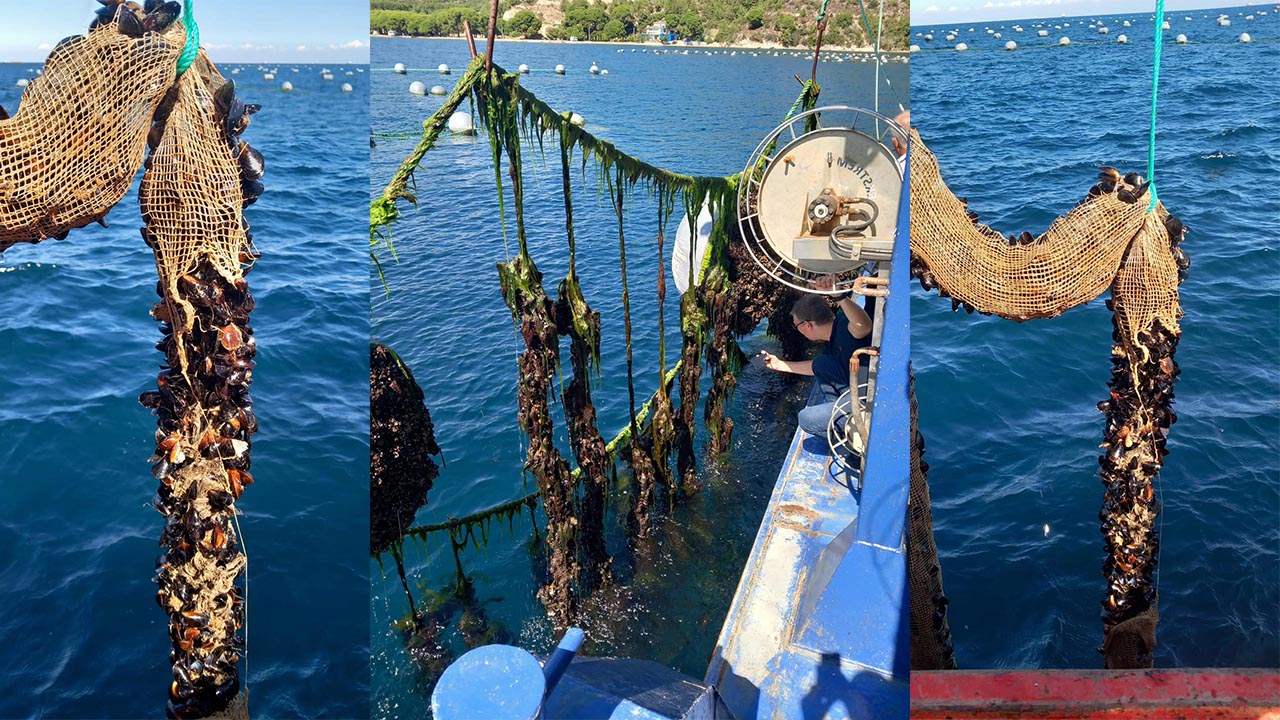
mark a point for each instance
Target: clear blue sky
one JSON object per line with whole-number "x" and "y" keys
{"x": 935, "y": 12}
{"x": 277, "y": 31}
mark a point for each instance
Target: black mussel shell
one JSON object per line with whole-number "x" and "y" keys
{"x": 129, "y": 24}
{"x": 252, "y": 164}
{"x": 162, "y": 17}
{"x": 224, "y": 96}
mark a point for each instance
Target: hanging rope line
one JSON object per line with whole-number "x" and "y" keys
{"x": 1155, "y": 87}
{"x": 192, "y": 47}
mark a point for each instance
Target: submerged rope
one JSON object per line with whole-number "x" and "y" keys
{"x": 192, "y": 47}
{"x": 1155, "y": 85}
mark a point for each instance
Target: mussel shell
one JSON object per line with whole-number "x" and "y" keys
{"x": 162, "y": 17}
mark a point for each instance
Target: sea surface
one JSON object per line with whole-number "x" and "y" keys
{"x": 696, "y": 113}
{"x": 80, "y": 632}
{"x": 1008, "y": 409}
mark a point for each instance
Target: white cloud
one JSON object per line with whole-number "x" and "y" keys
{"x": 301, "y": 48}
{"x": 44, "y": 46}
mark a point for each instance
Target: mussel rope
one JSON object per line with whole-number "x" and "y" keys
{"x": 192, "y": 48}
{"x": 1155, "y": 85}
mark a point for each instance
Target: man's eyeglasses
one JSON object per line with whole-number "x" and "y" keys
{"x": 797, "y": 325}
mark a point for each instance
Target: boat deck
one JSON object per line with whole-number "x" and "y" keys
{"x": 813, "y": 631}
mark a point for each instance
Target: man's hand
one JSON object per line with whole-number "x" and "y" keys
{"x": 773, "y": 362}
{"x": 825, "y": 283}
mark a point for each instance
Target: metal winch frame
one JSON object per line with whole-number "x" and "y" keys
{"x": 846, "y": 227}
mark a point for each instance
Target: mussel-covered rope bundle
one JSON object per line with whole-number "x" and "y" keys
{"x": 1115, "y": 238}
{"x": 575, "y": 318}
{"x": 72, "y": 150}
{"x": 199, "y": 178}
{"x": 401, "y": 443}
{"x": 534, "y": 312}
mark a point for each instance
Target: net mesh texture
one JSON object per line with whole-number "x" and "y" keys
{"x": 73, "y": 148}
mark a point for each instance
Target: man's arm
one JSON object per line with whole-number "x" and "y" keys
{"x": 799, "y": 367}
{"x": 859, "y": 322}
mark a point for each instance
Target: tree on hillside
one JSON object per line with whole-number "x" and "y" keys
{"x": 755, "y": 18}
{"x": 786, "y": 29}
{"x": 612, "y": 30}
{"x": 524, "y": 24}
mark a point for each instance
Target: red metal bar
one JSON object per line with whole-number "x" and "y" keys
{"x": 1192, "y": 694}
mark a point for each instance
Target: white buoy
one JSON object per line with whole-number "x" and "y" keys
{"x": 1244, "y": 38}
{"x": 444, "y": 69}
{"x": 915, "y": 48}
{"x": 998, "y": 36}
{"x": 401, "y": 69}
{"x": 1182, "y": 39}
{"x": 1064, "y": 41}
{"x": 1103, "y": 30}
{"x": 269, "y": 77}
{"x": 1224, "y": 22}
{"x": 604, "y": 72}
{"x": 460, "y": 124}
{"x": 1011, "y": 45}
{"x": 1164, "y": 25}
{"x": 928, "y": 37}
{"x": 1123, "y": 39}
{"x": 594, "y": 69}
{"x": 990, "y": 31}
{"x": 961, "y": 47}
{"x": 1126, "y": 23}
{"x": 438, "y": 90}
{"x": 524, "y": 69}
{"x": 1043, "y": 33}
{"x": 346, "y": 87}
{"x": 576, "y": 119}
{"x": 417, "y": 87}
{"x": 690, "y": 246}
{"x": 559, "y": 69}
{"x": 235, "y": 71}
{"x": 951, "y": 38}
{"x": 287, "y": 86}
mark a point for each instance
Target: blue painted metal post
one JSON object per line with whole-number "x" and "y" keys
{"x": 883, "y": 507}
{"x": 560, "y": 659}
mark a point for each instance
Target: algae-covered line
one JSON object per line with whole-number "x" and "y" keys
{"x": 575, "y": 502}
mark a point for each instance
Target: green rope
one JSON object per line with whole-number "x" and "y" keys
{"x": 1155, "y": 84}
{"x": 822, "y": 11}
{"x": 192, "y": 47}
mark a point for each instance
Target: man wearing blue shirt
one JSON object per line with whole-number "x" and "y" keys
{"x": 844, "y": 331}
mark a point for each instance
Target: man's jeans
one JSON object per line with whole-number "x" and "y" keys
{"x": 832, "y": 381}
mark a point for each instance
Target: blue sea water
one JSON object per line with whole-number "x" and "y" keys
{"x": 691, "y": 113}
{"x": 80, "y": 633}
{"x": 1008, "y": 409}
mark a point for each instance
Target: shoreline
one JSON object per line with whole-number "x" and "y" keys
{"x": 656, "y": 46}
